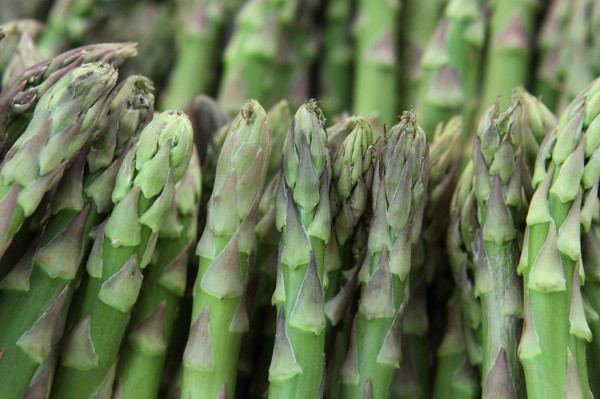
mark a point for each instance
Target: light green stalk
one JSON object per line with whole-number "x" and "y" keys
{"x": 219, "y": 316}
{"x": 63, "y": 120}
{"x": 576, "y": 59}
{"x": 591, "y": 291}
{"x": 375, "y": 76}
{"x": 399, "y": 189}
{"x": 455, "y": 376}
{"x": 335, "y": 74}
{"x": 197, "y": 37}
{"x": 303, "y": 216}
{"x": 419, "y": 20}
{"x": 553, "y": 344}
{"x": 123, "y": 246}
{"x": 451, "y": 65}
{"x": 152, "y": 322}
{"x": 255, "y": 54}
{"x": 551, "y": 44}
{"x": 508, "y": 58}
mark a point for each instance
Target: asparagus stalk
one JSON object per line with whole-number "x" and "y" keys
{"x": 219, "y": 316}
{"x": 254, "y": 54}
{"x": 551, "y": 44}
{"x": 428, "y": 260}
{"x": 455, "y": 376}
{"x": 20, "y": 96}
{"x": 304, "y": 218}
{"x": 591, "y": 290}
{"x": 508, "y": 57}
{"x": 451, "y": 65}
{"x": 352, "y": 179}
{"x": 335, "y": 74}
{"x": 152, "y": 321}
{"x": 552, "y": 348}
{"x": 376, "y": 80}
{"x": 197, "y": 39}
{"x": 399, "y": 187}
{"x": 419, "y": 20}
{"x": 143, "y": 194}
{"x": 207, "y": 118}
{"x": 63, "y": 121}
{"x": 258, "y": 344}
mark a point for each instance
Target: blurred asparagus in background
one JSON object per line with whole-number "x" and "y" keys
{"x": 17, "y": 49}
{"x": 452, "y": 64}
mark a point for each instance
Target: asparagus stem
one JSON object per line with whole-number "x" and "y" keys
{"x": 219, "y": 316}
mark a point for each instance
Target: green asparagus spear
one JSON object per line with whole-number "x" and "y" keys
{"x": 152, "y": 321}
{"x": 197, "y": 38}
{"x": 304, "y": 218}
{"x": 552, "y": 347}
{"x": 376, "y": 81}
{"x": 63, "y": 121}
{"x": 399, "y": 189}
{"x": 508, "y": 56}
{"x": 219, "y": 316}
{"x": 143, "y": 193}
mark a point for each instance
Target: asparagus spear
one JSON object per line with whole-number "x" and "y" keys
{"x": 152, "y": 322}
{"x": 143, "y": 194}
{"x": 21, "y": 94}
{"x": 207, "y": 118}
{"x": 399, "y": 188}
{"x": 552, "y": 348}
{"x": 551, "y": 44}
{"x": 197, "y": 39}
{"x": 303, "y": 216}
{"x": 419, "y": 20}
{"x": 376, "y": 80}
{"x": 219, "y": 315}
{"x": 63, "y": 121}
{"x": 352, "y": 179}
{"x": 451, "y": 65}
{"x": 335, "y": 74}
{"x": 428, "y": 261}
{"x": 508, "y": 57}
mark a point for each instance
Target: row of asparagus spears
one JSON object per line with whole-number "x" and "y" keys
{"x": 348, "y": 260}
{"x": 445, "y": 57}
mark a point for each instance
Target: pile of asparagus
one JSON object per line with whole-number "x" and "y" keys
{"x": 442, "y": 242}
{"x": 344, "y": 260}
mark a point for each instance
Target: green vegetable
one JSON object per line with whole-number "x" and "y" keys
{"x": 219, "y": 316}
{"x": 399, "y": 189}
{"x": 303, "y": 216}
